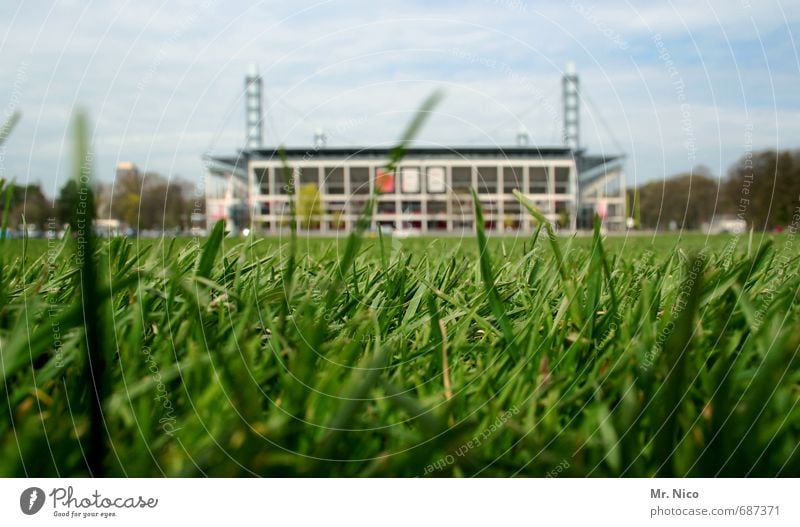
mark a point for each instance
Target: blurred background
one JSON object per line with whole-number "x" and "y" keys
{"x": 694, "y": 95}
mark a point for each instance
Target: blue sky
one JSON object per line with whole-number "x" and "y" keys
{"x": 162, "y": 81}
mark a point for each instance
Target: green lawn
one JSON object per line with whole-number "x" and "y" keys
{"x": 627, "y": 245}
{"x": 633, "y": 356}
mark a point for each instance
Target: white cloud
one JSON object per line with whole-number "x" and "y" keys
{"x": 163, "y": 80}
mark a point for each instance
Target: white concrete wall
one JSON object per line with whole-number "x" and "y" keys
{"x": 495, "y": 203}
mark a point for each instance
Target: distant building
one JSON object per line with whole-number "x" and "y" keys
{"x": 226, "y": 192}
{"x": 107, "y": 227}
{"x": 725, "y": 224}
{"x": 125, "y": 168}
{"x": 430, "y": 190}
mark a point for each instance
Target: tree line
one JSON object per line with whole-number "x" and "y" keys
{"x": 139, "y": 201}
{"x": 762, "y": 188}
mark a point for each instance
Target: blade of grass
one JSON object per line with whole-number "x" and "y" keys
{"x": 95, "y": 365}
{"x": 675, "y": 357}
{"x": 210, "y": 249}
{"x": 364, "y": 220}
{"x": 560, "y": 265}
{"x": 288, "y": 273}
{"x": 8, "y": 126}
{"x": 489, "y": 281}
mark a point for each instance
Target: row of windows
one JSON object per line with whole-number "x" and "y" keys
{"x": 508, "y": 224}
{"x": 413, "y": 207}
{"x": 413, "y": 180}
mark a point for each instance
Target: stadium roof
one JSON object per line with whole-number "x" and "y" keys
{"x": 238, "y": 163}
{"x": 380, "y": 152}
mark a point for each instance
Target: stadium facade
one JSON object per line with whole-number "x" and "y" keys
{"x": 428, "y": 192}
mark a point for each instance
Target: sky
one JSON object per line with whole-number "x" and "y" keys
{"x": 672, "y": 85}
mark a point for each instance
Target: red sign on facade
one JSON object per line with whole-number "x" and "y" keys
{"x": 384, "y": 181}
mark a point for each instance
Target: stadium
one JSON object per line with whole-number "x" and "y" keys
{"x": 429, "y": 192}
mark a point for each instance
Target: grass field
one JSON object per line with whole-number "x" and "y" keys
{"x": 530, "y": 356}
{"x": 535, "y": 355}
{"x": 619, "y": 244}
